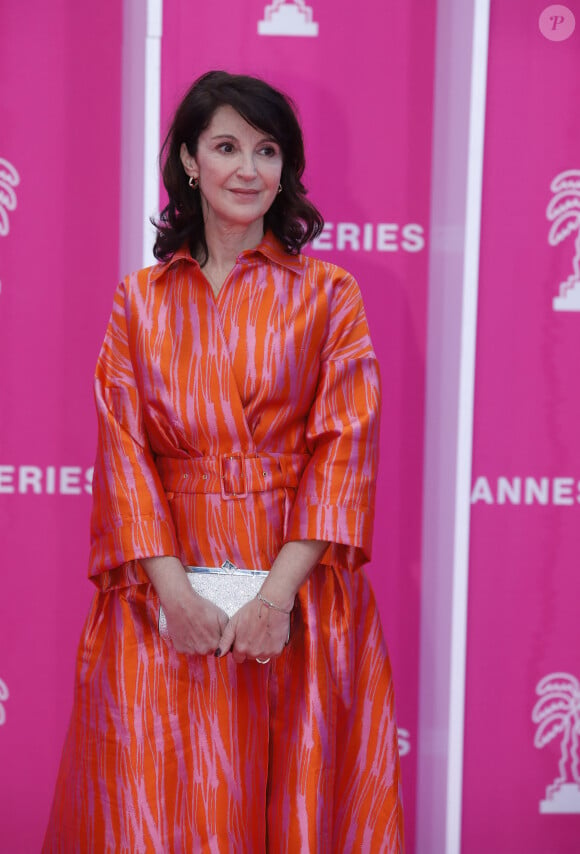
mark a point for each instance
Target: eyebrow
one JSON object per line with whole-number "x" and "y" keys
{"x": 235, "y": 138}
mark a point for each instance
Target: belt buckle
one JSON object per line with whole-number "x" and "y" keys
{"x": 239, "y": 456}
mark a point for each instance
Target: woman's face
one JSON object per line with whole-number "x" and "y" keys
{"x": 238, "y": 168}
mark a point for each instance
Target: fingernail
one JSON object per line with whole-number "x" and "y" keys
{"x": 218, "y": 652}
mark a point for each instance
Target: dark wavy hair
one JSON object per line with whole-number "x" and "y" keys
{"x": 291, "y": 217}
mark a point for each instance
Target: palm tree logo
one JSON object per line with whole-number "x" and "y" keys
{"x": 9, "y": 178}
{"x": 563, "y": 212}
{"x": 557, "y": 713}
{"x": 4, "y": 694}
{"x": 288, "y": 19}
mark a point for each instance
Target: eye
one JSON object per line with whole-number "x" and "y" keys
{"x": 225, "y": 147}
{"x": 269, "y": 150}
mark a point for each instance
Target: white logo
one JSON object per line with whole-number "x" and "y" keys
{"x": 4, "y": 694}
{"x": 404, "y": 740}
{"x": 370, "y": 236}
{"x": 9, "y": 178}
{"x": 288, "y": 19}
{"x": 564, "y": 213}
{"x": 557, "y": 712}
{"x": 45, "y": 480}
{"x": 546, "y": 491}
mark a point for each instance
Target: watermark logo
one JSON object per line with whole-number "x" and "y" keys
{"x": 4, "y": 694}
{"x": 563, "y": 212}
{"x": 9, "y": 178}
{"x": 557, "y": 714}
{"x": 288, "y": 19}
{"x": 557, "y": 22}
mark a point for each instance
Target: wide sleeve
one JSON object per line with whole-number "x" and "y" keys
{"x": 336, "y": 495}
{"x": 130, "y": 516}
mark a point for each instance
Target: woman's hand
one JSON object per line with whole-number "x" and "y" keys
{"x": 255, "y": 631}
{"x": 195, "y": 624}
{"x": 262, "y": 631}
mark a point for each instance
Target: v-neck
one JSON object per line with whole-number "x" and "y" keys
{"x": 224, "y": 285}
{"x": 237, "y": 409}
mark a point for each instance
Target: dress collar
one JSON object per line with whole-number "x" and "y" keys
{"x": 269, "y": 247}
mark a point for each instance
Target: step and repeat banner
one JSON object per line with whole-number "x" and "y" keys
{"x": 366, "y": 110}
{"x": 60, "y": 86}
{"x": 365, "y": 104}
{"x": 365, "y": 101}
{"x": 522, "y": 736}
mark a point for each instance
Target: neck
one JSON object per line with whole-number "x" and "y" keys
{"x": 224, "y": 243}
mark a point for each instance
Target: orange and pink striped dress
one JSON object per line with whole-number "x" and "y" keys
{"x": 228, "y": 426}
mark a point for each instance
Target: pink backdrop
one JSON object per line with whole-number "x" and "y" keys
{"x": 365, "y": 101}
{"x": 368, "y": 148}
{"x": 524, "y": 628}
{"x": 366, "y": 115}
{"x": 367, "y": 119}
{"x": 59, "y": 190}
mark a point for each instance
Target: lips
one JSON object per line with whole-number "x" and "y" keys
{"x": 241, "y": 192}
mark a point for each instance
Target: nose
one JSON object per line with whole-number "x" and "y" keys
{"x": 247, "y": 168}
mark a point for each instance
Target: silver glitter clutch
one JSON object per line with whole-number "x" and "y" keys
{"x": 226, "y": 586}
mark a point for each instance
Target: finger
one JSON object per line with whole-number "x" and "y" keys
{"x": 227, "y": 639}
{"x": 223, "y": 620}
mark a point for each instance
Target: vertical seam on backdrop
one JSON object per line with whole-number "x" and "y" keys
{"x": 477, "y": 110}
{"x": 152, "y": 123}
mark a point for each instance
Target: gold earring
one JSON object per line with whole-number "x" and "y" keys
{"x": 193, "y": 183}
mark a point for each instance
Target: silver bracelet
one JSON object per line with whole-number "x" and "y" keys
{"x": 272, "y": 605}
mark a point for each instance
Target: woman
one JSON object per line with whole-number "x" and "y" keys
{"x": 238, "y": 396}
